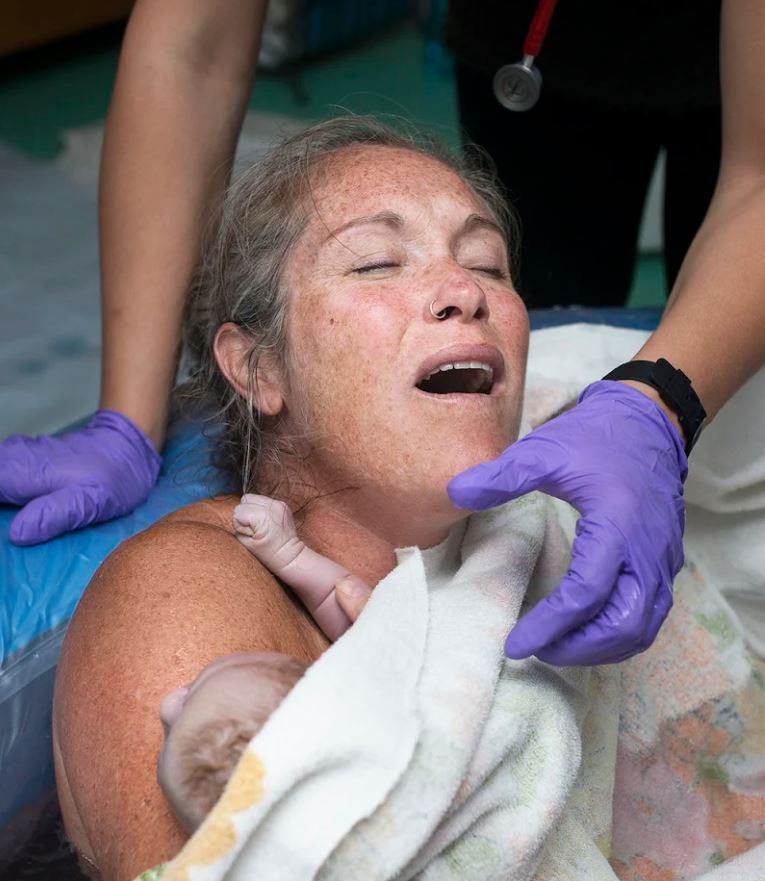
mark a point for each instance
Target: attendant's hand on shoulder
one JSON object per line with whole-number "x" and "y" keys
{"x": 101, "y": 471}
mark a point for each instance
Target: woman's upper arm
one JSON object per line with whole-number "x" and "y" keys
{"x": 158, "y": 610}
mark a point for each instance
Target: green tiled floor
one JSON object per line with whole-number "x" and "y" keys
{"x": 68, "y": 85}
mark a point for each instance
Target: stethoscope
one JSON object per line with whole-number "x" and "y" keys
{"x": 517, "y": 86}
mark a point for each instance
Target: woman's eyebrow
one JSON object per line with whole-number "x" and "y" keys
{"x": 477, "y": 222}
{"x": 388, "y": 218}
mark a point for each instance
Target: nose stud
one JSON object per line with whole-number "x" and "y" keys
{"x": 438, "y": 315}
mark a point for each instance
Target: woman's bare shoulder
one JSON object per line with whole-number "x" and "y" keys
{"x": 214, "y": 512}
{"x": 190, "y": 564}
{"x": 160, "y": 608}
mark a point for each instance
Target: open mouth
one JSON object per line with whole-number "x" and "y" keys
{"x": 459, "y": 377}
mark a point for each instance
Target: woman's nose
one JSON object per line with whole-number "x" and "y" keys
{"x": 459, "y": 296}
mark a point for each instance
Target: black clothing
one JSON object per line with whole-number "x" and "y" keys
{"x": 577, "y": 176}
{"x": 621, "y": 81}
{"x": 659, "y": 54}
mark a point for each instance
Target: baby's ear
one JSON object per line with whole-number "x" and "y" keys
{"x": 232, "y": 348}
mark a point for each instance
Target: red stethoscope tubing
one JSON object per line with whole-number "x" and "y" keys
{"x": 537, "y": 32}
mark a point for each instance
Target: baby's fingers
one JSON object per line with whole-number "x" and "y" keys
{"x": 244, "y": 511}
{"x": 251, "y": 518}
{"x": 263, "y": 512}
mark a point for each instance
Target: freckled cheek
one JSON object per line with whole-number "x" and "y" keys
{"x": 510, "y": 308}
{"x": 346, "y": 342}
{"x": 352, "y": 337}
{"x": 512, "y": 322}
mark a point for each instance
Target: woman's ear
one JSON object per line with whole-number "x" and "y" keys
{"x": 232, "y": 348}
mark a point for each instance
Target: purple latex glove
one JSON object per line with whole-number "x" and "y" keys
{"x": 619, "y": 461}
{"x": 95, "y": 473}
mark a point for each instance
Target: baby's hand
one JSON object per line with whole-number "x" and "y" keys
{"x": 266, "y": 528}
{"x": 334, "y": 597}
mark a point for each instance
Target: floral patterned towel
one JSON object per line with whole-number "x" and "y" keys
{"x": 690, "y": 773}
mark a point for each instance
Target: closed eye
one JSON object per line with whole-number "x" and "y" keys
{"x": 371, "y": 267}
{"x": 493, "y": 271}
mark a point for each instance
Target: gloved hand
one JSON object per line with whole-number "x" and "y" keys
{"x": 620, "y": 462}
{"x": 95, "y": 473}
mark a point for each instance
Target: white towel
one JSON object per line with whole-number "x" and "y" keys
{"x": 412, "y": 748}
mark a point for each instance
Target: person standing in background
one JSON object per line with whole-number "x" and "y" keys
{"x": 620, "y": 82}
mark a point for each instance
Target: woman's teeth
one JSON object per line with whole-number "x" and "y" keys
{"x": 465, "y": 365}
{"x": 459, "y": 377}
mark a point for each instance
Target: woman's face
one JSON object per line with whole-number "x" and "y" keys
{"x": 391, "y": 232}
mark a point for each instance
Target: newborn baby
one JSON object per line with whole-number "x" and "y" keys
{"x": 209, "y": 722}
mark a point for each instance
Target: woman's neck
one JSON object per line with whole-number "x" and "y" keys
{"x": 360, "y": 529}
{"x": 362, "y": 551}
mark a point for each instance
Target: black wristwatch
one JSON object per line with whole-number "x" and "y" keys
{"x": 674, "y": 389}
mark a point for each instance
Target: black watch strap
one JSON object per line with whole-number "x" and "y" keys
{"x": 674, "y": 389}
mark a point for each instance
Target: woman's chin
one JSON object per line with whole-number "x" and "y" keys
{"x": 474, "y": 455}
{"x": 429, "y": 493}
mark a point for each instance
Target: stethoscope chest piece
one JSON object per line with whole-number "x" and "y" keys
{"x": 518, "y": 86}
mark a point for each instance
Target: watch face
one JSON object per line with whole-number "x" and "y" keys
{"x": 517, "y": 87}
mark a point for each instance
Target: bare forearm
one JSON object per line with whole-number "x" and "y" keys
{"x": 714, "y": 325}
{"x": 179, "y": 99}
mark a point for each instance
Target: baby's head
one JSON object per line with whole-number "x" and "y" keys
{"x": 209, "y": 723}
